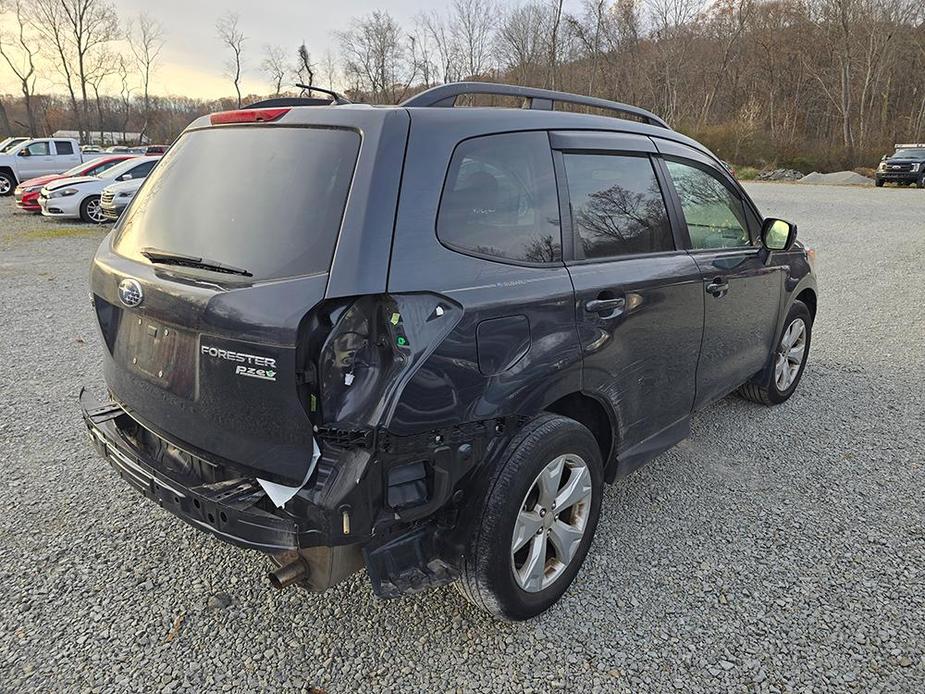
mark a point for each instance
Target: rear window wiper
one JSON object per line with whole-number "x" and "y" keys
{"x": 155, "y": 255}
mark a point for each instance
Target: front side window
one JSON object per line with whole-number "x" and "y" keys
{"x": 500, "y": 199}
{"x": 63, "y": 147}
{"x": 715, "y": 217}
{"x": 617, "y": 206}
{"x": 39, "y": 149}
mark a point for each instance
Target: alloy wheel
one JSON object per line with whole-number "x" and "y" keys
{"x": 5, "y": 185}
{"x": 790, "y": 355}
{"x": 551, "y": 522}
{"x": 94, "y": 211}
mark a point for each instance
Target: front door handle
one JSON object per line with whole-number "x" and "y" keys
{"x": 718, "y": 287}
{"x": 605, "y": 305}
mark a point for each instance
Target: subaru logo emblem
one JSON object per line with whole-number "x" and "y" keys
{"x": 130, "y": 292}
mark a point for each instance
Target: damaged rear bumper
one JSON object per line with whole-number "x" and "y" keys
{"x": 401, "y": 519}
{"x": 229, "y": 509}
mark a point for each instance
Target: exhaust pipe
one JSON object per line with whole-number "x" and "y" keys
{"x": 288, "y": 574}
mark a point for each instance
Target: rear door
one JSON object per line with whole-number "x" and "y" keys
{"x": 639, "y": 304}
{"x": 741, "y": 292}
{"x": 67, "y": 156}
{"x": 497, "y": 254}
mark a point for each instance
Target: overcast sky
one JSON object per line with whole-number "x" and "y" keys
{"x": 192, "y": 60}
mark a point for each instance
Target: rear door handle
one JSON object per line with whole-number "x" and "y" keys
{"x": 718, "y": 286}
{"x": 605, "y": 305}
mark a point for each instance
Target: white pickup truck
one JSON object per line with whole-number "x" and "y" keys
{"x": 38, "y": 157}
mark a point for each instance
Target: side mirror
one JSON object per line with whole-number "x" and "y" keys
{"x": 778, "y": 235}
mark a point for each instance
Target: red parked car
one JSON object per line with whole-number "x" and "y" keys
{"x": 27, "y": 192}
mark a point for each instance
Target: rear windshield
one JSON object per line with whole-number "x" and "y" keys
{"x": 266, "y": 199}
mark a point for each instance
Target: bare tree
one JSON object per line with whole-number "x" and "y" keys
{"x": 330, "y": 70}
{"x": 436, "y": 30}
{"x": 103, "y": 67}
{"x": 473, "y": 23}
{"x": 376, "y": 57}
{"x": 125, "y": 96}
{"x": 147, "y": 41}
{"x": 231, "y": 35}
{"x": 521, "y": 41}
{"x": 274, "y": 65}
{"x": 78, "y": 30}
{"x": 20, "y": 51}
{"x": 5, "y": 120}
{"x": 305, "y": 69}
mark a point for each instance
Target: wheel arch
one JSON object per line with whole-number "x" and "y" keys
{"x": 598, "y": 418}
{"x": 9, "y": 170}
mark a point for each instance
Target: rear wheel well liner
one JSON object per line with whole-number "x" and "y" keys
{"x": 594, "y": 415}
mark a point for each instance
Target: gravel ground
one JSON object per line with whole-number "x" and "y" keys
{"x": 777, "y": 550}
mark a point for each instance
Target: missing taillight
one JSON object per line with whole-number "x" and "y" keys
{"x": 248, "y": 115}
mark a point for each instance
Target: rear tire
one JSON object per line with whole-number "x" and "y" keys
{"x": 785, "y": 372}
{"x": 90, "y": 210}
{"x": 878, "y": 182}
{"x": 7, "y": 183}
{"x": 536, "y": 518}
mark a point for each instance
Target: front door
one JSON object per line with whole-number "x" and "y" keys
{"x": 39, "y": 161}
{"x": 638, "y": 293}
{"x": 741, "y": 292}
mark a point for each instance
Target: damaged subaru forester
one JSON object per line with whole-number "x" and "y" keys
{"x": 418, "y": 340}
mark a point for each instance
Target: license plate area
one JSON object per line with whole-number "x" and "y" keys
{"x": 159, "y": 353}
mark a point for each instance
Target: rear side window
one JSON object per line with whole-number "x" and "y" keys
{"x": 266, "y": 199}
{"x": 715, "y": 217}
{"x": 500, "y": 199}
{"x": 617, "y": 206}
{"x": 63, "y": 147}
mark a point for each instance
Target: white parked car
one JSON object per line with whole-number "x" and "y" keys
{"x": 79, "y": 197}
{"x": 116, "y": 197}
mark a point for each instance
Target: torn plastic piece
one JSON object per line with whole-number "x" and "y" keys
{"x": 280, "y": 493}
{"x": 395, "y": 318}
{"x": 348, "y": 379}
{"x": 439, "y": 310}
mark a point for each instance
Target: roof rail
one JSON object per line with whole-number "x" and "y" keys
{"x": 534, "y": 98}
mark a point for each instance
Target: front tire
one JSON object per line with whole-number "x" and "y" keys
{"x": 920, "y": 183}
{"x": 536, "y": 519}
{"x": 90, "y": 210}
{"x": 788, "y": 360}
{"x": 7, "y": 183}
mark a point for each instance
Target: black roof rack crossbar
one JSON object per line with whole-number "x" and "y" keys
{"x": 535, "y": 98}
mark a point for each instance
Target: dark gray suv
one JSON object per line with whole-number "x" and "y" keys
{"x": 419, "y": 339}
